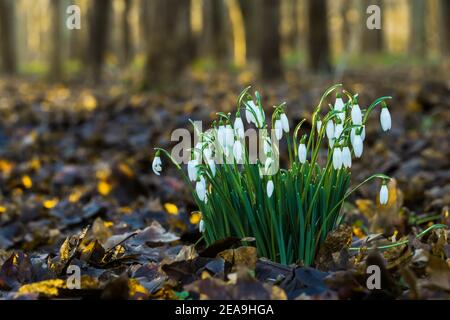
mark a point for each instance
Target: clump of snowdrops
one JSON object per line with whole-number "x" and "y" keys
{"x": 288, "y": 211}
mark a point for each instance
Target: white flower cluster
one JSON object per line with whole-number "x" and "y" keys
{"x": 345, "y": 130}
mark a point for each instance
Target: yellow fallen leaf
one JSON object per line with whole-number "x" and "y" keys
{"x": 47, "y": 287}
{"x": 50, "y": 203}
{"x": 104, "y": 188}
{"x": 75, "y": 196}
{"x": 6, "y": 166}
{"x": 171, "y": 208}
{"x": 195, "y": 217}
{"x": 126, "y": 170}
{"x": 26, "y": 181}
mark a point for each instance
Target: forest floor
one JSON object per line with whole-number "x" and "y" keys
{"x": 77, "y": 189}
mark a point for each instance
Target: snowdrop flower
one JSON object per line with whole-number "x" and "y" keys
{"x": 357, "y": 144}
{"x": 192, "y": 169}
{"x": 237, "y": 151}
{"x": 207, "y": 153}
{"x": 331, "y": 142}
{"x": 339, "y": 107}
{"x": 337, "y": 158}
{"x": 156, "y": 164}
{"x": 385, "y": 118}
{"x": 200, "y": 188}
{"x": 212, "y": 166}
{"x": 319, "y": 126}
{"x": 384, "y": 194}
{"x": 330, "y": 129}
{"x": 254, "y": 114}
{"x": 363, "y": 133}
{"x": 302, "y": 153}
{"x": 239, "y": 127}
{"x": 356, "y": 114}
{"x": 201, "y": 226}
{"x": 269, "y": 188}
{"x": 278, "y": 129}
{"x": 338, "y": 130}
{"x": 267, "y": 146}
{"x": 267, "y": 165}
{"x": 284, "y": 122}
{"x": 346, "y": 157}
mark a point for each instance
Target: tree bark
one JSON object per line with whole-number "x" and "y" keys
{"x": 269, "y": 50}
{"x": 214, "y": 36}
{"x": 7, "y": 37}
{"x": 170, "y": 46}
{"x": 98, "y": 37}
{"x": 417, "y": 38}
{"x": 55, "y": 56}
{"x": 126, "y": 33}
{"x": 318, "y": 38}
{"x": 372, "y": 39}
{"x": 445, "y": 27}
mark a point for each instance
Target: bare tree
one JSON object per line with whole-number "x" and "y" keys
{"x": 7, "y": 36}
{"x": 417, "y": 27}
{"x": 126, "y": 33}
{"x": 318, "y": 38}
{"x": 372, "y": 39}
{"x": 56, "y": 40}
{"x": 214, "y": 35}
{"x": 98, "y": 37}
{"x": 269, "y": 50}
{"x": 445, "y": 26}
{"x": 169, "y": 41}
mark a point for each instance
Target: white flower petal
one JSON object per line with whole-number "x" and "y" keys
{"x": 278, "y": 129}
{"x": 356, "y": 114}
{"x": 156, "y": 165}
{"x": 192, "y": 169}
{"x": 285, "y": 122}
{"x": 357, "y": 146}
{"x": 385, "y": 119}
{"x": 302, "y": 153}
{"x": 330, "y": 129}
{"x": 269, "y": 188}
{"x": 384, "y": 194}
{"x": 337, "y": 158}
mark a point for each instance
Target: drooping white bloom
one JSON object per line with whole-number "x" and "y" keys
{"x": 363, "y": 133}
{"x": 156, "y": 165}
{"x": 267, "y": 165}
{"x": 356, "y": 114}
{"x": 330, "y": 129}
{"x": 302, "y": 153}
{"x": 357, "y": 144}
{"x": 201, "y": 226}
{"x": 221, "y": 138}
{"x": 229, "y": 136}
{"x": 319, "y": 125}
{"x": 239, "y": 128}
{"x": 278, "y": 129}
{"x": 269, "y": 188}
{"x": 339, "y": 104}
{"x": 331, "y": 142}
{"x": 337, "y": 158}
{"x": 284, "y": 122}
{"x": 338, "y": 130}
{"x": 384, "y": 194}
{"x": 267, "y": 146}
{"x": 254, "y": 114}
{"x": 385, "y": 119}
{"x": 200, "y": 188}
{"x": 346, "y": 157}
{"x": 207, "y": 153}
{"x": 192, "y": 169}
{"x": 339, "y": 107}
{"x": 212, "y": 166}
{"x": 237, "y": 151}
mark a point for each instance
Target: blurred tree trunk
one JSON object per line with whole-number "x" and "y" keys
{"x": 56, "y": 40}
{"x": 269, "y": 50}
{"x": 98, "y": 37}
{"x": 292, "y": 38}
{"x": 417, "y": 38}
{"x": 214, "y": 36}
{"x": 250, "y": 13}
{"x": 372, "y": 39}
{"x": 445, "y": 26}
{"x": 170, "y": 43}
{"x": 7, "y": 36}
{"x": 126, "y": 33}
{"x": 318, "y": 38}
